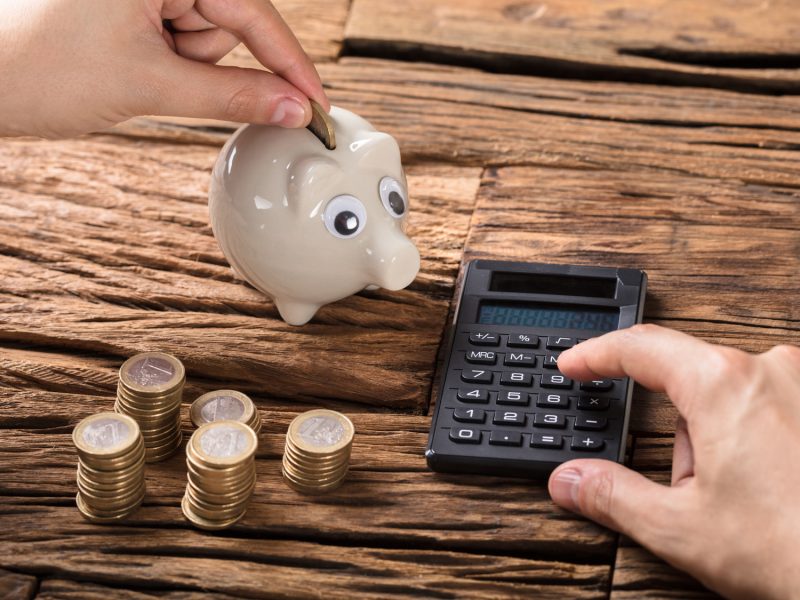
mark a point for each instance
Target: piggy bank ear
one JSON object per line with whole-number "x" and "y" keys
{"x": 377, "y": 150}
{"x": 312, "y": 182}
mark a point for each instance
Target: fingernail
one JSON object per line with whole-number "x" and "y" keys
{"x": 564, "y": 488}
{"x": 289, "y": 113}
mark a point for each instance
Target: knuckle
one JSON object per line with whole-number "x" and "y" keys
{"x": 726, "y": 364}
{"x": 244, "y": 103}
{"x": 642, "y": 329}
{"x": 786, "y": 352}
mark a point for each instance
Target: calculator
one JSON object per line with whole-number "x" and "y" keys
{"x": 503, "y": 406}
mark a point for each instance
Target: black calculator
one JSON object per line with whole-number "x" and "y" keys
{"x": 503, "y": 406}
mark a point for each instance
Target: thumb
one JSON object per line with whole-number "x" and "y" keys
{"x": 620, "y": 499}
{"x": 189, "y": 88}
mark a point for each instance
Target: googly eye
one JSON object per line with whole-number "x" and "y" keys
{"x": 345, "y": 216}
{"x": 393, "y": 197}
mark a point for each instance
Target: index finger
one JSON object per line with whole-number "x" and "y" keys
{"x": 259, "y": 25}
{"x": 661, "y": 359}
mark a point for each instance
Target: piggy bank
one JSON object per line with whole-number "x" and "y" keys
{"x": 306, "y": 225}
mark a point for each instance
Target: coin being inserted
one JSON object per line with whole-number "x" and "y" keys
{"x": 317, "y": 453}
{"x": 225, "y": 405}
{"x": 321, "y": 126}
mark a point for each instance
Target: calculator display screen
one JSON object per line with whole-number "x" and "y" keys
{"x": 544, "y": 316}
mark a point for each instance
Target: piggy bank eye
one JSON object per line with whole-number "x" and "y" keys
{"x": 392, "y": 196}
{"x": 345, "y": 216}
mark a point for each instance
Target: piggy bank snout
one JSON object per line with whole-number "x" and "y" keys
{"x": 394, "y": 263}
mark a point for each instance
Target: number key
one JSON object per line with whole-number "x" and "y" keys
{"x": 476, "y": 375}
{"x": 473, "y": 396}
{"x": 556, "y": 380}
{"x": 553, "y": 401}
{"x": 469, "y": 415}
{"x": 515, "y": 398}
{"x": 509, "y": 417}
{"x": 549, "y": 420}
{"x": 516, "y": 378}
{"x": 465, "y": 436}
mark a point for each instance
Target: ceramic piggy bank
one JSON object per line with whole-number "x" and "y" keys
{"x": 307, "y": 225}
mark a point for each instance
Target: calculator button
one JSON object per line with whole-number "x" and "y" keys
{"x": 474, "y": 396}
{"x": 484, "y": 338}
{"x": 549, "y": 420}
{"x": 509, "y": 417}
{"x": 482, "y": 357}
{"x": 465, "y": 436}
{"x": 592, "y": 403}
{"x": 476, "y": 375}
{"x": 523, "y": 340}
{"x": 553, "y": 401}
{"x": 469, "y": 415}
{"x": 556, "y": 380}
{"x": 587, "y": 443}
{"x": 514, "y": 398}
{"x": 545, "y": 440}
{"x": 597, "y": 385}
{"x": 590, "y": 423}
{"x": 520, "y": 359}
{"x": 560, "y": 343}
{"x": 550, "y": 361}
{"x": 505, "y": 438}
{"x": 516, "y": 378}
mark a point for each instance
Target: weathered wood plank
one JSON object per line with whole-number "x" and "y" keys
{"x": 16, "y": 586}
{"x": 462, "y": 116}
{"x": 318, "y": 25}
{"x": 64, "y": 589}
{"x": 680, "y": 42}
{"x": 242, "y": 566}
{"x": 97, "y": 260}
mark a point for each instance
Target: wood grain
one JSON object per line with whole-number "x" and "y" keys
{"x": 97, "y": 261}
{"x": 15, "y": 586}
{"x": 746, "y": 44}
{"x": 317, "y": 24}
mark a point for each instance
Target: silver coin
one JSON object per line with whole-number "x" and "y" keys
{"x": 224, "y": 441}
{"x": 151, "y": 371}
{"x": 321, "y": 431}
{"x": 106, "y": 432}
{"x": 222, "y": 408}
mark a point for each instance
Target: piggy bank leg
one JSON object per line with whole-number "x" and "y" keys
{"x": 296, "y": 313}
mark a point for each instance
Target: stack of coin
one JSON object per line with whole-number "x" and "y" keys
{"x": 225, "y": 405}
{"x": 221, "y": 472}
{"x": 110, "y": 466}
{"x": 317, "y": 452}
{"x": 149, "y": 390}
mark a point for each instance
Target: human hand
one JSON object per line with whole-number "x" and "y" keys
{"x": 732, "y": 515}
{"x": 75, "y": 66}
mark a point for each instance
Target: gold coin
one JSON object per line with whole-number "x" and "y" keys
{"x": 313, "y": 478}
{"x": 299, "y": 457}
{"x": 321, "y": 432}
{"x": 96, "y": 516}
{"x": 223, "y": 443}
{"x": 152, "y": 373}
{"x": 202, "y": 523}
{"x": 105, "y": 435}
{"x": 223, "y": 405}
{"x": 321, "y": 125}
{"x": 312, "y": 489}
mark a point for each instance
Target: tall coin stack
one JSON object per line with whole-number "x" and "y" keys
{"x": 220, "y": 458}
{"x": 149, "y": 390}
{"x": 110, "y": 466}
{"x": 225, "y": 405}
{"x": 317, "y": 452}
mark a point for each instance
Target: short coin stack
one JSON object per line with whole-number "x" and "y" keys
{"x": 220, "y": 458}
{"x": 317, "y": 452}
{"x": 225, "y": 405}
{"x": 110, "y": 466}
{"x": 149, "y": 390}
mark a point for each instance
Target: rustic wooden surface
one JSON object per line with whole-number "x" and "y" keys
{"x": 643, "y": 134}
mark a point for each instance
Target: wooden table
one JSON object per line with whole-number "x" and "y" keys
{"x": 654, "y": 134}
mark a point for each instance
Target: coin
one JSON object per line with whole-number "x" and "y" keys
{"x": 221, "y": 474}
{"x": 151, "y": 373}
{"x": 317, "y": 452}
{"x": 105, "y": 435}
{"x": 321, "y": 125}
{"x": 228, "y": 405}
